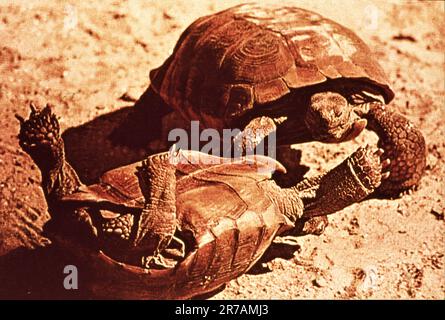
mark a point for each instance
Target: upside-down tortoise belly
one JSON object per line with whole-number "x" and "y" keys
{"x": 222, "y": 207}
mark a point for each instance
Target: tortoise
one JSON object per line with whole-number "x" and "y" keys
{"x": 283, "y": 69}
{"x": 180, "y": 223}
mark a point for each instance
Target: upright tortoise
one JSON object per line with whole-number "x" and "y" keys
{"x": 289, "y": 70}
{"x": 175, "y": 229}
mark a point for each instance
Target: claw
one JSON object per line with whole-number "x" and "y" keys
{"x": 379, "y": 152}
{"x": 174, "y": 154}
{"x": 174, "y": 149}
{"x": 22, "y": 121}
{"x": 33, "y": 107}
{"x": 386, "y": 163}
{"x": 386, "y": 175}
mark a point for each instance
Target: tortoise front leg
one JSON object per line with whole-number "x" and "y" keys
{"x": 157, "y": 222}
{"x": 404, "y": 145}
{"x": 254, "y": 133}
{"x": 350, "y": 182}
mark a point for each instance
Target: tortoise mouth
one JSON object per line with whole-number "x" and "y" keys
{"x": 343, "y": 132}
{"x": 292, "y": 132}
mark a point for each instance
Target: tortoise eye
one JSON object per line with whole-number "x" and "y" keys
{"x": 240, "y": 100}
{"x": 337, "y": 110}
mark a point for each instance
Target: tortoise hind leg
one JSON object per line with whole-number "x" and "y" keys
{"x": 157, "y": 223}
{"x": 40, "y": 137}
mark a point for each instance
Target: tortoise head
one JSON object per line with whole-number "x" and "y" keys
{"x": 330, "y": 118}
{"x": 40, "y": 137}
{"x": 318, "y": 116}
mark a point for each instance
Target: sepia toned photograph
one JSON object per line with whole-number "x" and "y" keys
{"x": 222, "y": 150}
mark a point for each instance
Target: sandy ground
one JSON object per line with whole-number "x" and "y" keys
{"x": 83, "y": 57}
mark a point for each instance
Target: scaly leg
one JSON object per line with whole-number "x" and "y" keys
{"x": 40, "y": 137}
{"x": 253, "y": 134}
{"x": 350, "y": 182}
{"x": 403, "y": 143}
{"x": 157, "y": 223}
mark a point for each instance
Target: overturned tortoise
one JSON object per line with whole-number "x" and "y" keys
{"x": 181, "y": 223}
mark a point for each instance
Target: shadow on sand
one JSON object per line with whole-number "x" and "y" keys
{"x": 115, "y": 139}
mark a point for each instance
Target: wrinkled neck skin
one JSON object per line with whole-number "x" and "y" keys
{"x": 59, "y": 182}
{"x": 287, "y": 200}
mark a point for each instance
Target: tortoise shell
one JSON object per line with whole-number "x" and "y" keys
{"x": 227, "y": 63}
{"x": 222, "y": 205}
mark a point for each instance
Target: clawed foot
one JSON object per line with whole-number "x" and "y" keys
{"x": 371, "y": 166}
{"x": 168, "y": 258}
{"x": 158, "y": 262}
{"x": 350, "y": 182}
{"x": 41, "y": 129}
{"x": 254, "y": 133}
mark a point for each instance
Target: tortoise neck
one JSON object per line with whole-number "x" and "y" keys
{"x": 292, "y": 204}
{"x": 287, "y": 200}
